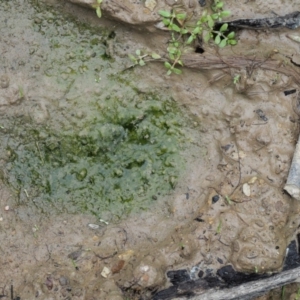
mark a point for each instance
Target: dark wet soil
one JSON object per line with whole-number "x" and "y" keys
{"x": 228, "y": 206}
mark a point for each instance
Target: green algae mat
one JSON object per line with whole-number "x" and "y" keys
{"x": 78, "y": 136}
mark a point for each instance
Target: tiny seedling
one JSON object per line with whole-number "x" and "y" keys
{"x": 35, "y": 229}
{"x": 228, "y": 200}
{"x": 74, "y": 264}
{"x": 140, "y": 58}
{"x": 98, "y": 8}
{"x": 21, "y": 92}
{"x": 181, "y": 245}
{"x": 236, "y": 79}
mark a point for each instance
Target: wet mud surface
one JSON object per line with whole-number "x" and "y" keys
{"x": 212, "y": 197}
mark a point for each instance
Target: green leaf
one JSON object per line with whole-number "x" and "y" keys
{"x": 197, "y": 30}
{"x": 172, "y": 57}
{"x": 138, "y": 52}
{"x": 141, "y": 63}
{"x": 231, "y": 35}
{"x": 207, "y": 37}
{"x": 175, "y": 27}
{"x": 155, "y": 55}
{"x": 232, "y": 42}
{"x": 223, "y": 43}
{"x": 220, "y": 5}
{"x": 215, "y": 16}
{"x": 172, "y": 50}
{"x": 203, "y": 20}
{"x": 190, "y": 39}
{"x": 132, "y": 58}
{"x": 180, "y": 63}
{"x": 169, "y": 72}
{"x": 217, "y": 39}
{"x": 210, "y": 22}
{"x": 224, "y": 27}
{"x": 165, "y": 13}
{"x": 176, "y": 44}
{"x": 184, "y": 31}
{"x": 177, "y": 71}
{"x": 225, "y": 13}
{"x": 98, "y": 12}
{"x": 168, "y": 65}
{"x": 99, "y": 1}
{"x": 166, "y": 22}
{"x": 180, "y": 16}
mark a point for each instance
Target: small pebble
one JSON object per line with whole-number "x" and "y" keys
{"x": 150, "y": 4}
{"x": 215, "y": 198}
{"x": 63, "y": 280}
{"x": 220, "y": 260}
{"x": 200, "y": 274}
{"x": 93, "y": 226}
{"x": 6, "y": 208}
{"x": 246, "y": 189}
{"x": 4, "y": 81}
{"x": 105, "y": 272}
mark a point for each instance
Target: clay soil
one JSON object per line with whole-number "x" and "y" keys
{"x": 229, "y": 208}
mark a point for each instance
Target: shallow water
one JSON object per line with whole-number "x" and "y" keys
{"x": 76, "y": 134}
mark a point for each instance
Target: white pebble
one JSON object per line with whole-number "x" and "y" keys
{"x": 94, "y": 226}
{"x": 246, "y": 189}
{"x": 105, "y": 272}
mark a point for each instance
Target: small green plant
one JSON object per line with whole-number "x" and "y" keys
{"x": 236, "y": 79}
{"x": 140, "y": 58}
{"x": 74, "y": 264}
{"x": 171, "y": 18}
{"x": 21, "y": 92}
{"x": 35, "y": 229}
{"x": 181, "y": 245}
{"x": 228, "y": 200}
{"x": 98, "y": 8}
{"x": 184, "y": 32}
{"x": 174, "y": 52}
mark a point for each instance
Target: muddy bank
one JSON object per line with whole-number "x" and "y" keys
{"x": 228, "y": 206}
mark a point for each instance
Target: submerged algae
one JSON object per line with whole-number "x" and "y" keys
{"x": 117, "y": 162}
{"x": 83, "y": 138}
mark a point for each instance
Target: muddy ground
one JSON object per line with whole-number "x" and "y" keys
{"x": 228, "y": 206}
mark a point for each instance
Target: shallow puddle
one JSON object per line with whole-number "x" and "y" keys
{"x": 112, "y": 178}
{"x": 88, "y": 141}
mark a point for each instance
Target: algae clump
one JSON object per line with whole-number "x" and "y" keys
{"x": 118, "y": 162}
